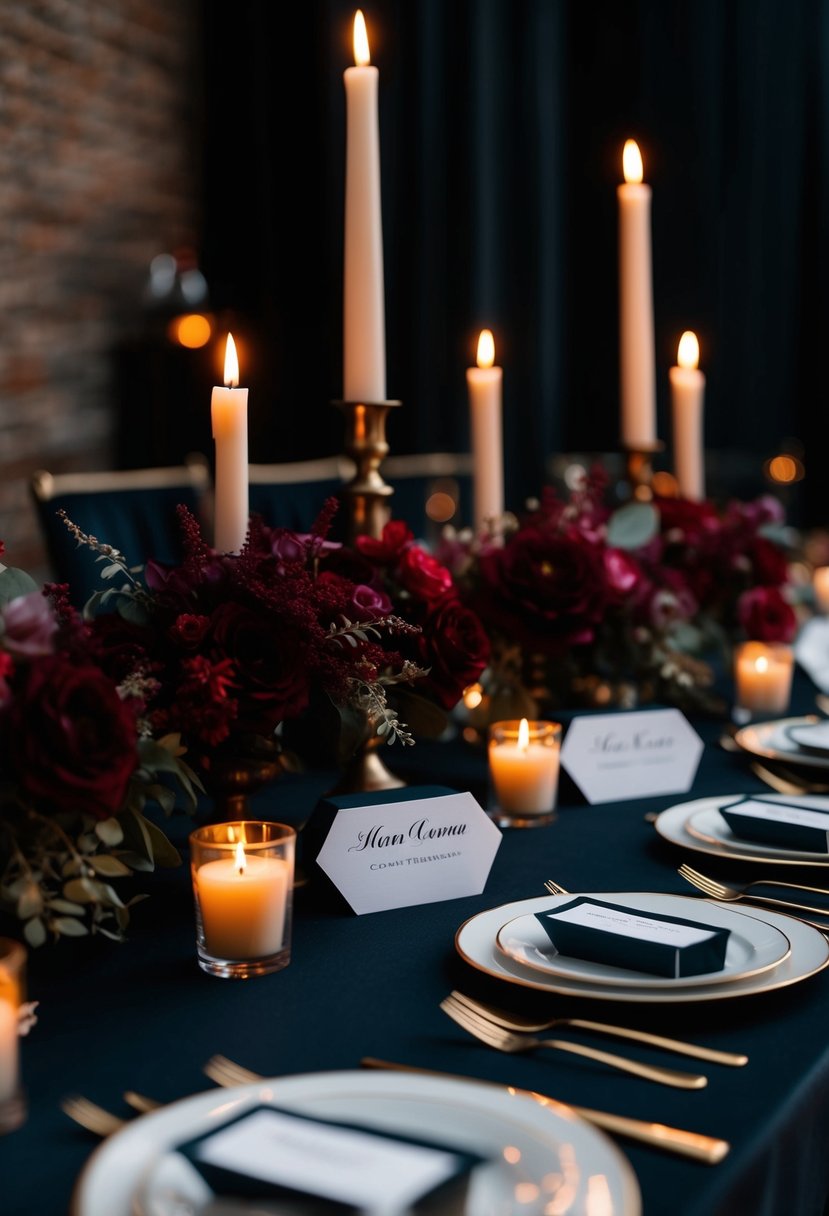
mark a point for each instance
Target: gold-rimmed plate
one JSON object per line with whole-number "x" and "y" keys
{"x": 773, "y": 741}
{"x": 753, "y": 946}
{"x": 694, "y": 825}
{"x": 475, "y": 942}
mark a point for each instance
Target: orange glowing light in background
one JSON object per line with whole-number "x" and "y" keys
{"x": 486, "y": 348}
{"x": 632, "y": 162}
{"x": 361, "y": 52}
{"x": 193, "y": 330}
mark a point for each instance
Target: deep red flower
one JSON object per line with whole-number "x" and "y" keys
{"x": 766, "y": 616}
{"x": 396, "y": 537}
{"x": 768, "y": 562}
{"x": 545, "y": 590}
{"x": 72, "y": 740}
{"x": 272, "y": 679}
{"x": 118, "y": 645}
{"x": 189, "y": 629}
{"x": 422, "y": 575}
{"x": 455, "y": 647}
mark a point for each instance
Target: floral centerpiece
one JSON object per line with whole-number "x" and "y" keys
{"x": 588, "y": 605}
{"x": 77, "y": 770}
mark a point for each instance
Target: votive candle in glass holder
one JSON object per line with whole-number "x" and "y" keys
{"x": 820, "y": 583}
{"x": 763, "y": 677}
{"x": 243, "y": 877}
{"x": 12, "y": 982}
{"x": 523, "y": 772}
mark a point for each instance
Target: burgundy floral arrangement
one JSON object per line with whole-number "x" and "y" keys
{"x": 76, "y": 771}
{"x": 586, "y": 604}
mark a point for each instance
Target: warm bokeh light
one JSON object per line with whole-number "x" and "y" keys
{"x": 486, "y": 348}
{"x": 361, "y": 52}
{"x": 524, "y": 735}
{"x": 664, "y": 484}
{"x": 632, "y": 162}
{"x": 241, "y": 860}
{"x": 231, "y": 363}
{"x": 688, "y": 353}
{"x": 193, "y": 330}
{"x": 761, "y": 664}
{"x": 473, "y": 695}
{"x": 784, "y": 469}
{"x": 440, "y": 507}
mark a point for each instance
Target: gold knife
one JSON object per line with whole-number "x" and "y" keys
{"x": 658, "y": 1135}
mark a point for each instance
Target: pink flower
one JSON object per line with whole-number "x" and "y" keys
{"x": 422, "y": 575}
{"x": 623, "y": 573}
{"x": 30, "y": 626}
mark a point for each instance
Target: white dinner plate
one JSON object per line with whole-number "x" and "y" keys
{"x": 753, "y": 946}
{"x": 556, "y": 1161}
{"x": 812, "y": 737}
{"x": 708, "y": 824}
{"x": 772, "y": 741}
{"x": 475, "y": 942}
{"x": 712, "y": 835}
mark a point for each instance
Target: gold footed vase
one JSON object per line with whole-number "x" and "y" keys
{"x": 366, "y": 772}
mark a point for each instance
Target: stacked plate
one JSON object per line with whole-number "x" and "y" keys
{"x": 766, "y": 950}
{"x": 800, "y": 741}
{"x": 538, "y": 1155}
{"x": 699, "y": 826}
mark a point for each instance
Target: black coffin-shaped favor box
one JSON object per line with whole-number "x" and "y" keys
{"x": 634, "y": 940}
{"x": 790, "y": 826}
{"x": 292, "y": 1165}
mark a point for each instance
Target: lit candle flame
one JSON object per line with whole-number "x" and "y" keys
{"x": 241, "y": 860}
{"x": 486, "y": 348}
{"x": 361, "y": 52}
{"x": 762, "y": 664}
{"x": 688, "y": 354}
{"x": 524, "y": 735}
{"x": 231, "y": 363}
{"x": 632, "y": 161}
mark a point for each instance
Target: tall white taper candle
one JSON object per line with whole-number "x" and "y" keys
{"x": 229, "y": 413}
{"x": 688, "y": 397}
{"x": 484, "y": 385}
{"x": 636, "y": 341}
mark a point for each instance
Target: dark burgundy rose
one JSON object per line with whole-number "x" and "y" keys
{"x": 118, "y": 645}
{"x": 688, "y": 523}
{"x": 189, "y": 629}
{"x": 455, "y": 648}
{"x": 72, "y": 740}
{"x": 765, "y": 616}
{"x": 396, "y": 537}
{"x": 768, "y": 562}
{"x": 271, "y": 681}
{"x": 544, "y": 589}
{"x": 422, "y": 575}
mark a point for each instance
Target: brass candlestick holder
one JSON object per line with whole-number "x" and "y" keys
{"x": 639, "y": 467}
{"x": 367, "y": 494}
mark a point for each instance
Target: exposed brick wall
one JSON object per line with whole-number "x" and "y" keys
{"x": 98, "y": 173}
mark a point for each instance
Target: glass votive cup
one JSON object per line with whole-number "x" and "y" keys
{"x": 523, "y": 772}
{"x": 243, "y": 877}
{"x": 763, "y": 679}
{"x": 12, "y": 994}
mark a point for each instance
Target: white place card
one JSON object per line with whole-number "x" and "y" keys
{"x": 371, "y": 1172}
{"x": 635, "y": 924}
{"x": 775, "y": 812}
{"x": 416, "y": 851}
{"x": 613, "y": 757}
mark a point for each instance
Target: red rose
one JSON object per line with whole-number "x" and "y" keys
{"x": 685, "y": 522}
{"x": 768, "y": 562}
{"x": 766, "y": 616}
{"x": 396, "y": 537}
{"x": 271, "y": 677}
{"x": 72, "y": 739}
{"x": 189, "y": 629}
{"x": 545, "y": 590}
{"x": 455, "y": 648}
{"x": 118, "y": 645}
{"x": 422, "y": 575}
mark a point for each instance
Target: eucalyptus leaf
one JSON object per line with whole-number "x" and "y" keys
{"x": 34, "y": 932}
{"x": 156, "y": 845}
{"x": 133, "y": 611}
{"x": 14, "y": 583}
{"x": 109, "y": 831}
{"x": 65, "y": 905}
{"x": 108, "y": 866}
{"x": 68, "y": 926}
{"x": 30, "y": 901}
{"x": 81, "y": 891}
{"x": 633, "y": 525}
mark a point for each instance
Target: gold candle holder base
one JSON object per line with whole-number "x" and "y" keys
{"x": 639, "y": 469}
{"x": 366, "y": 495}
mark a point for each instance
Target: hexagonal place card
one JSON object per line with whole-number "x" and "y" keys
{"x": 612, "y": 757}
{"x": 396, "y": 848}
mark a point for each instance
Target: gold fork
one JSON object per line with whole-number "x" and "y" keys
{"x": 228, "y": 1074}
{"x": 695, "y": 1145}
{"x": 524, "y": 1025}
{"x": 718, "y": 890}
{"x": 91, "y": 1116}
{"x": 506, "y": 1040}
{"x": 554, "y": 888}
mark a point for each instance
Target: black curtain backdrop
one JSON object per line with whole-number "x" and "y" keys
{"x": 502, "y": 125}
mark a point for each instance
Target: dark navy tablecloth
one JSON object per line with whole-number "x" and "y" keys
{"x": 143, "y": 1016}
